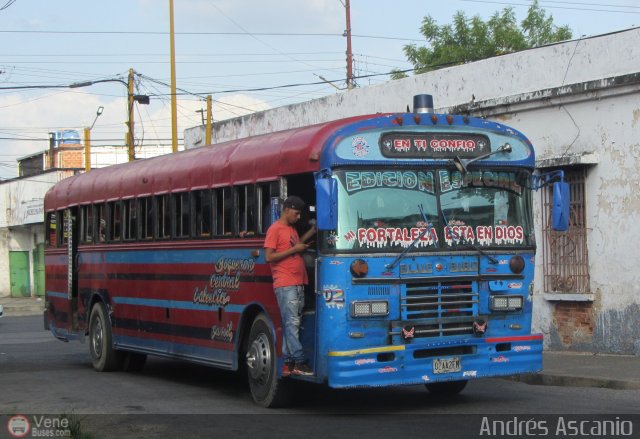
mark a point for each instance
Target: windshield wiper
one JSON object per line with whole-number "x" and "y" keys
{"x": 413, "y": 243}
{"x": 466, "y": 243}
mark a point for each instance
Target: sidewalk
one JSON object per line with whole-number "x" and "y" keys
{"x": 22, "y": 306}
{"x": 569, "y": 369}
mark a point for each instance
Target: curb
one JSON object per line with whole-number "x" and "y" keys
{"x": 550, "y": 379}
{"x": 26, "y": 308}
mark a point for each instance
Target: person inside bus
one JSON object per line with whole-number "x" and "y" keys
{"x": 283, "y": 250}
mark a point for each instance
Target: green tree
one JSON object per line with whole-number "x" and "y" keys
{"x": 471, "y": 39}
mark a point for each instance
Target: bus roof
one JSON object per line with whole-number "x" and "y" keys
{"x": 258, "y": 158}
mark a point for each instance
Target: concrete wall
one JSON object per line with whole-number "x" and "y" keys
{"x": 528, "y": 71}
{"x": 21, "y": 220}
{"x": 578, "y": 102}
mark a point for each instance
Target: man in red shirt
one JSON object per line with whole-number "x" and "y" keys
{"x": 283, "y": 250}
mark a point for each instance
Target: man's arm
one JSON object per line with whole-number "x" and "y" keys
{"x": 270, "y": 255}
{"x": 309, "y": 233}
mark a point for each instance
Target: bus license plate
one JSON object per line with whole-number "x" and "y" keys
{"x": 446, "y": 365}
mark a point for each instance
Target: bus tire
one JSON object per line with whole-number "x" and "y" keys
{"x": 266, "y": 389}
{"x": 103, "y": 356}
{"x": 133, "y": 362}
{"x": 446, "y": 387}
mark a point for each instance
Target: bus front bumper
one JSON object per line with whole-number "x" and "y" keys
{"x": 424, "y": 361}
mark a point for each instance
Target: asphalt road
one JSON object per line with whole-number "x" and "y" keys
{"x": 41, "y": 375}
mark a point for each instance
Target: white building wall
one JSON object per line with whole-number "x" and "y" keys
{"x": 21, "y": 220}
{"x": 560, "y": 97}
{"x": 500, "y": 77}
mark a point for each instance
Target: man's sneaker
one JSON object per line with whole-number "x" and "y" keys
{"x": 301, "y": 369}
{"x": 286, "y": 369}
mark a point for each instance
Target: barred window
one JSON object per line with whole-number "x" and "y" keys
{"x": 565, "y": 256}
{"x": 182, "y": 214}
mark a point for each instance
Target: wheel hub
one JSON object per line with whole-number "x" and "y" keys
{"x": 259, "y": 358}
{"x": 97, "y": 338}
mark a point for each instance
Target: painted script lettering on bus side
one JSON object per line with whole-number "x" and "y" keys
{"x": 222, "y": 333}
{"x": 224, "y": 279}
{"x": 357, "y": 181}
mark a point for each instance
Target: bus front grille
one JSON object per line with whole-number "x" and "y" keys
{"x": 437, "y": 309}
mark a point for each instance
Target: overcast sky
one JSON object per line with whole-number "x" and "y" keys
{"x": 223, "y": 47}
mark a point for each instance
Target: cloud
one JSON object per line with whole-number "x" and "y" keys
{"x": 30, "y": 117}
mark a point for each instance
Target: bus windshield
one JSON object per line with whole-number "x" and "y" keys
{"x": 387, "y": 210}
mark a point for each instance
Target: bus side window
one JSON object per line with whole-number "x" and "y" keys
{"x": 130, "y": 221}
{"x": 218, "y": 212}
{"x": 102, "y": 222}
{"x": 229, "y": 212}
{"x": 203, "y": 213}
{"x": 115, "y": 221}
{"x": 265, "y": 193}
{"x": 247, "y": 210}
{"x": 86, "y": 224}
{"x": 164, "y": 216}
{"x": 182, "y": 215}
{"x": 64, "y": 232}
{"x": 52, "y": 239}
{"x": 147, "y": 215}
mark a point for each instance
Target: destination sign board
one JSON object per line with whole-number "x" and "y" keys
{"x": 433, "y": 145}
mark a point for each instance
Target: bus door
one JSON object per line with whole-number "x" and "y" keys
{"x": 72, "y": 235}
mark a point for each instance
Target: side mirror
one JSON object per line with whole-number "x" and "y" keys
{"x": 327, "y": 203}
{"x": 560, "y": 207}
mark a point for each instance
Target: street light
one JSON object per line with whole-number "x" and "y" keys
{"x": 131, "y": 98}
{"x": 98, "y": 113}
{"x": 87, "y": 140}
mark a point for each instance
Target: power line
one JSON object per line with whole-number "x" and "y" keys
{"x": 6, "y": 5}
{"x": 554, "y": 7}
{"x": 268, "y": 34}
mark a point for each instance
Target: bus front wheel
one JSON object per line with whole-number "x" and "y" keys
{"x": 446, "y": 387}
{"x": 266, "y": 389}
{"x": 103, "y": 356}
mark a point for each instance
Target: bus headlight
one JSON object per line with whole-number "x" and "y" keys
{"x": 370, "y": 308}
{"x": 506, "y": 303}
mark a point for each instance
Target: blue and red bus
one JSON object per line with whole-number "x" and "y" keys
{"x": 421, "y": 273}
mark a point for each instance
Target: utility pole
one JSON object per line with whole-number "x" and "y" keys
{"x": 87, "y": 149}
{"x": 174, "y": 106}
{"x": 209, "y": 118}
{"x": 52, "y": 144}
{"x": 347, "y": 33}
{"x": 130, "y": 100}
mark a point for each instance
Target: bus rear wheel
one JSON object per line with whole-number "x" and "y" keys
{"x": 266, "y": 389}
{"x": 103, "y": 356}
{"x": 446, "y": 387}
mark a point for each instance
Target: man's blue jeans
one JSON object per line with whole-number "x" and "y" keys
{"x": 291, "y": 302}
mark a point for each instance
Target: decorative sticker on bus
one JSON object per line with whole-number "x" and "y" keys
{"x": 434, "y": 145}
{"x": 357, "y": 181}
{"x": 222, "y": 333}
{"x": 224, "y": 279}
{"x": 333, "y": 296}
{"x": 360, "y": 147}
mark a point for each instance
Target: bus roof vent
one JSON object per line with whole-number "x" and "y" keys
{"x": 423, "y": 104}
